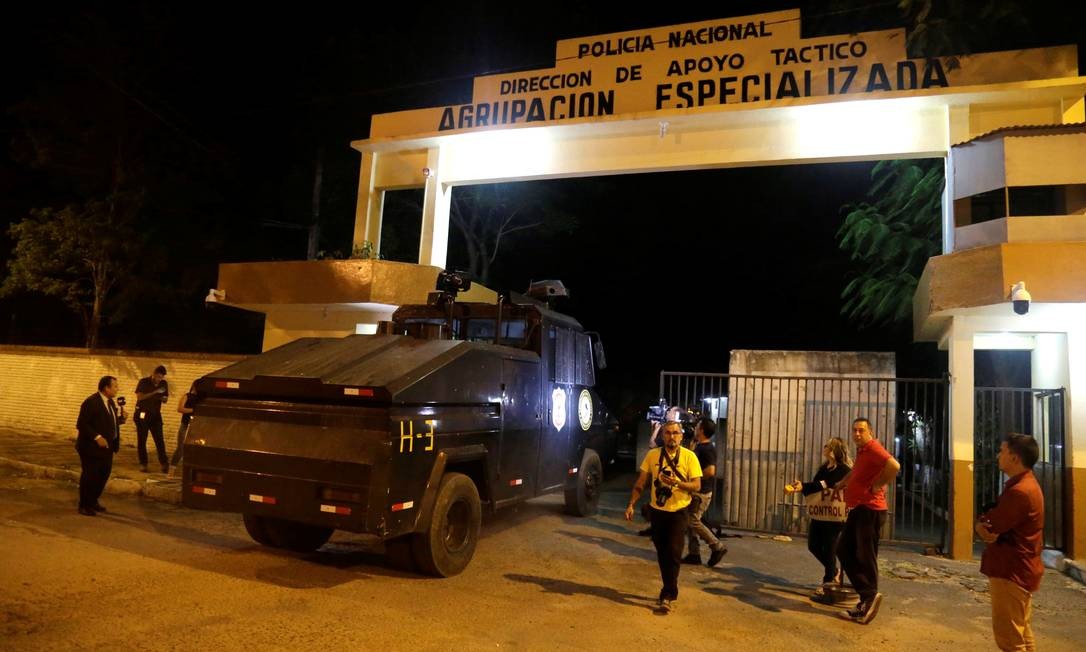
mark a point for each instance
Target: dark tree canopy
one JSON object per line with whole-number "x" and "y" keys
{"x": 78, "y": 254}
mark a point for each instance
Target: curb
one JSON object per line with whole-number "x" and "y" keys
{"x": 116, "y": 486}
{"x": 1056, "y": 560}
{"x": 1075, "y": 571}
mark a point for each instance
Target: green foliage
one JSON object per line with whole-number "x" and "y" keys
{"x": 894, "y": 233}
{"x": 365, "y": 251}
{"x": 360, "y": 251}
{"x": 949, "y": 27}
{"x": 77, "y": 254}
{"x": 891, "y": 236}
{"x": 934, "y": 28}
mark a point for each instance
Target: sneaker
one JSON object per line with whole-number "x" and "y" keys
{"x": 865, "y": 612}
{"x": 717, "y": 555}
{"x": 664, "y": 607}
{"x": 692, "y": 558}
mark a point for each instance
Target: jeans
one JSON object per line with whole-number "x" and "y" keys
{"x": 859, "y": 550}
{"x": 822, "y": 541}
{"x": 699, "y": 530}
{"x": 152, "y": 423}
{"x": 179, "y": 450}
{"x": 668, "y": 532}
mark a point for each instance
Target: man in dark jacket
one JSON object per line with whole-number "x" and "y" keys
{"x": 151, "y": 393}
{"x": 706, "y": 454}
{"x": 1013, "y": 530}
{"x": 99, "y": 437}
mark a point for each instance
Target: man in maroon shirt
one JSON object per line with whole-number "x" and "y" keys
{"x": 1013, "y": 532}
{"x": 865, "y": 497}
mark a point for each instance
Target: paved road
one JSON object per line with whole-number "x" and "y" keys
{"x": 156, "y": 576}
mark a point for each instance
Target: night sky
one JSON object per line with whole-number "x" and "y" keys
{"x": 673, "y": 270}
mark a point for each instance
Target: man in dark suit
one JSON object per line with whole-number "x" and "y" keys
{"x": 99, "y": 438}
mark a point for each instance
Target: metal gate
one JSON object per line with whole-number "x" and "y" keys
{"x": 1036, "y": 412}
{"x": 774, "y": 428}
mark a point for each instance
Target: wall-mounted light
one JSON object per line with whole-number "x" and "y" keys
{"x": 1020, "y": 298}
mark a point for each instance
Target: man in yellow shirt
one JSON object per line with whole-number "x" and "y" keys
{"x": 676, "y": 474}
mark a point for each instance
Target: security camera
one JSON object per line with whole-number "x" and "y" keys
{"x": 1020, "y": 298}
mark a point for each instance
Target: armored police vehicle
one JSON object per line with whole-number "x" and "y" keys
{"x": 408, "y": 434}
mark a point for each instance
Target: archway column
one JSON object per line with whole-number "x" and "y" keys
{"x": 369, "y": 206}
{"x": 436, "y": 203}
{"x": 960, "y": 349}
{"x": 1075, "y": 444}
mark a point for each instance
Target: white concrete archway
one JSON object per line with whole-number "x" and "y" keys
{"x": 745, "y": 91}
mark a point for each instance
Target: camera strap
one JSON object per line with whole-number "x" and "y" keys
{"x": 670, "y": 463}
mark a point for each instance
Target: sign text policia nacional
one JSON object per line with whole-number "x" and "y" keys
{"x": 747, "y": 60}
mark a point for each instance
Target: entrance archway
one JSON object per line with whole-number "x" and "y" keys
{"x": 750, "y": 91}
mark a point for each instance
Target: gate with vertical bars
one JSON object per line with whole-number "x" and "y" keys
{"x": 771, "y": 430}
{"x": 1036, "y": 412}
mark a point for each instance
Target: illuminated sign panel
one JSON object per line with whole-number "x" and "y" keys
{"x": 754, "y": 60}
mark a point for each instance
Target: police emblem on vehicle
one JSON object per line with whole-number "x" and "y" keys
{"x": 558, "y": 408}
{"x": 584, "y": 409}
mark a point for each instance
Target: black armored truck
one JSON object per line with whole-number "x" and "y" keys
{"x": 407, "y": 434}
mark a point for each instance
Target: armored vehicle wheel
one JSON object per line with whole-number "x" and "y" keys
{"x": 584, "y": 498}
{"x": 254, "y": 525}
{"x": 298, "y": 537}
{"x": 447, "y": 546}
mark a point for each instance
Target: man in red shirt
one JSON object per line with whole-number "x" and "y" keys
{"x": 865, "y": 497}
{"x": 1013, "y": 532}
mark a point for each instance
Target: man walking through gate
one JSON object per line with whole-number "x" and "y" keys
{"x": 676, "y": 475}
{"x": 865, "y": 496}
{"x": 1013, "y": 531}
{"x": 705, "y": 451}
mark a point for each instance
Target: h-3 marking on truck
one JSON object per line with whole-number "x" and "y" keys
{"x": 408, "y": 435}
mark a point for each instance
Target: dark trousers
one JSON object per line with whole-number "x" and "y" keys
{"x": 152, "y": 423}
{"x": 92, "y": 481}
{"x": 180, "y": 449}
{"x": 822, "y": 540}
{"x": 859, "y": 550}
{"x": 669, "y": 535}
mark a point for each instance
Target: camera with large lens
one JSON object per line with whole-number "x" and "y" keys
{"x": 657, "y": 413}
{"x": 121, "y": 401}
{"x": 663, "y": 491}
{"x": 661, "y": 414}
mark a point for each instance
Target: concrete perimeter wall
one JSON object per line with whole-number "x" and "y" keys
{"x": 41, "y": 388}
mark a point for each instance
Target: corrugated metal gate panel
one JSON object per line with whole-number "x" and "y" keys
{"x": 775, "y": 427}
